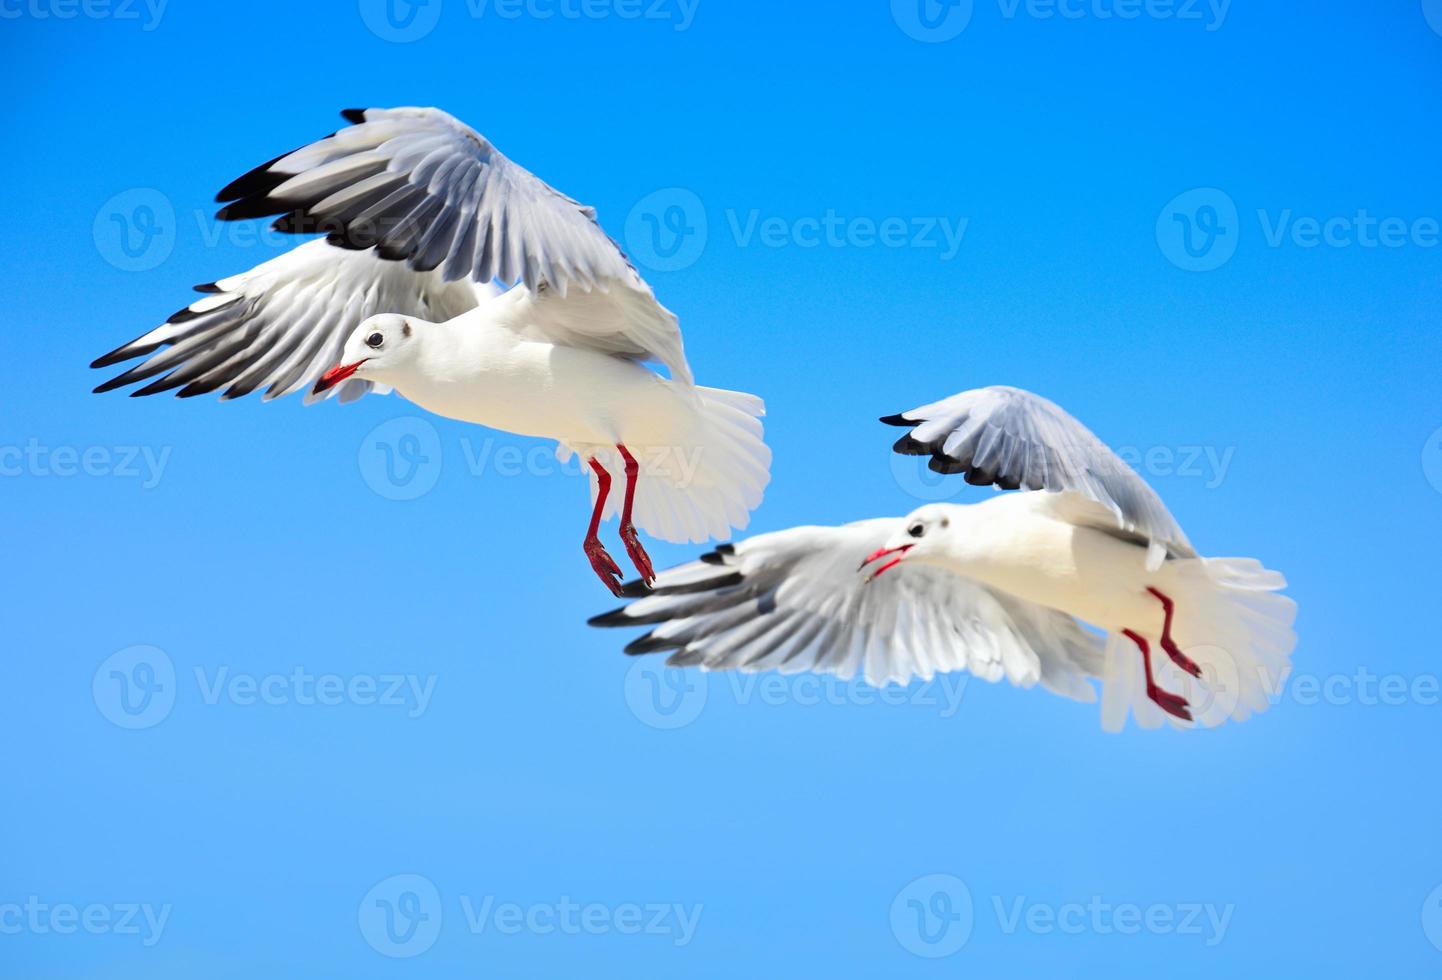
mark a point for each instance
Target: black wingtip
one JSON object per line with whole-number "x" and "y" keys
{"x": 616, "y": 617}
{"x": 900, "y": 420}
{"x": 650, "y": 644}
{"x": 635, "y": 589}
{"x": 353, "y": 115}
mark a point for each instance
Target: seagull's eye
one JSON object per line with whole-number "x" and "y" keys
{"x": 916, "y": 530}
{"x": 375, "y": 340}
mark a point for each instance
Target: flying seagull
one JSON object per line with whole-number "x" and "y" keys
{"x": 1002, "y": 588}
{"x": 422, "y": 217}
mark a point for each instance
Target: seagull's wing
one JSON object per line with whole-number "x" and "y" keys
{"x": 425, "y": 188}
{"x": 282, "y": 324}
{"x": 1014, "y": 439}
{"x": 795, "y": 601}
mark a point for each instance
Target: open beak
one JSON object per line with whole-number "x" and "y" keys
{"x": 880, "y": 553}
{"x": 335, "y": 376}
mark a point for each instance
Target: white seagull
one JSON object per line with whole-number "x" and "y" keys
{"x": 422, "y": 215}
{"x": 1001, "y": 588}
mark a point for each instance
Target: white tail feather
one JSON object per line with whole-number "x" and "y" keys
{"x": 1232, "y": 622}
{"x": 702, "y": 490}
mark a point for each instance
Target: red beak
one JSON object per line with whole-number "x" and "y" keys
{"x": 880, "y": 553}
{"x": 335, "y": 376}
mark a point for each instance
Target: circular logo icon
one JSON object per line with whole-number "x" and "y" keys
{"x": 1432, "y": 918}
{"x": 1432, "y": 10}
{"x": 932, "y": 917}
{"x": 1198, "y": 231}
{"x": 400, "y": 21}
{"x": 664, "y": 697}
{"x": 1432, "y": 460}
{"x": 135, "y": 687}
{"x": 666, "y": 230}
{"x": 920, "y": 482}
{"x": 401, "y": 459}
{"x": 1212, "y": 696}
{"x": 135, "y": 230}
{"x": 931, "y": 21}
{"x": 401, "y": 916}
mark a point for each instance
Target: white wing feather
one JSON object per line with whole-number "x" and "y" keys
{"x": 795, "y": 601}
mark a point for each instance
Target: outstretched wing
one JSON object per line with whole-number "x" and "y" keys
{"x": 795, "y": 601}
{"x": 424, "y": 187}
{"x": 1014, "y": 439}
{"x": 282, "y": 324}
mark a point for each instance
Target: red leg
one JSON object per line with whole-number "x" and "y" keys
{"x": 604, "y": 565}
{"x": 1170, "y": 703}
{"x": 1168, "y": 644}
{"x": 639, "y": 558}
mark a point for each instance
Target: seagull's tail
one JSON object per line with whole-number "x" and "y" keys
{"x": 1231, "y": 621}
{"x": 703, "y": 489}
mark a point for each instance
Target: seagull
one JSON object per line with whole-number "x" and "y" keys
{"x": 422, "y": 219}
{"x": 1083, "y": 574}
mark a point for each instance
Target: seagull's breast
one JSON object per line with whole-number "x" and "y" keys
{"x": 1077, "y": 570}
{"x": 497, "y": 378}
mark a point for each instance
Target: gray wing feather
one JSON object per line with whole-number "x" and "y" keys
{"x": 1014, "y": 439}
{"x": 795, "y": 601}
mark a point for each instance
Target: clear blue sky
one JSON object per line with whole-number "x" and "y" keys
{"x": 1287, "y": 394}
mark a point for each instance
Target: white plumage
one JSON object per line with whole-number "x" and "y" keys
{"x": 421, "y": 216}
{"x": 1001, "y": 588}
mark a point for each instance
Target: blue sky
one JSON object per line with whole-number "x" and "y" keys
{"x": 384, "y": 743}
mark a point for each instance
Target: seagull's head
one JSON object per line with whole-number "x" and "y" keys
{"x": 922, "y": 536}
{"x": 380, "y": 348}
